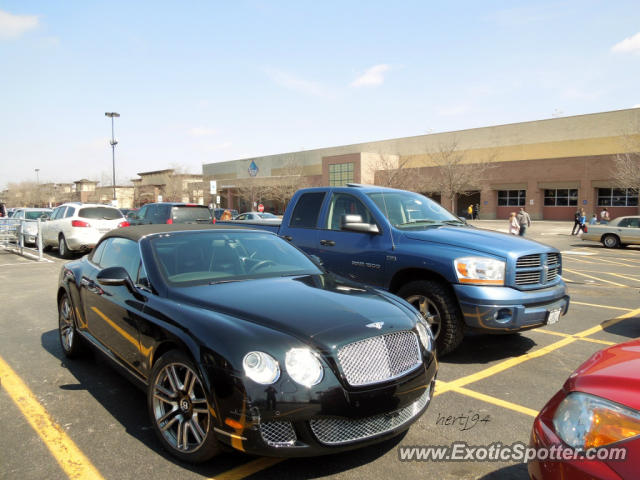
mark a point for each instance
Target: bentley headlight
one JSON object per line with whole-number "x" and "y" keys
{"x": 261, "y": 367}
{"x": 425, "y": 335}
{"x": 584, "y": 421}
{"x": 303, "y": 366}
{"x": 480, "y": 270}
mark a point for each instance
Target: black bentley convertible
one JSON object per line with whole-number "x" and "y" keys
{"x": 240, "y": 339}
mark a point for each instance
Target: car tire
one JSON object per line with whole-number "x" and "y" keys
{"x": 610, "y": 241}
{"x": 439, "y": 309}
{"x": 70, "y": 341}
{"x": 63, "y": 248}
{"x": 179, "y": 409}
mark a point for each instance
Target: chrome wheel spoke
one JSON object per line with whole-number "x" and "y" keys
{"x": 168, "y": 425}
{"x": 197, "y": 432}
{"x": 165, "y": 395}
{"x": 167, "y": 416}
{"x": 182, "y": 435}
{"x": 189, "y": 382}
{"x": 172, "y": 376}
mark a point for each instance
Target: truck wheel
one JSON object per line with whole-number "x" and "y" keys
{"x": 439, "y": 309}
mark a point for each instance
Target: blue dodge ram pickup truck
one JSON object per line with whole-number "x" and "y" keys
{"x": 456, "y": 275}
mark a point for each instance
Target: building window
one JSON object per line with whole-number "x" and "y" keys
{"x": 512, "y": 198}
{"x": 561, "y": 197}
{"x": 617, "y": 197}
{"x": 340, "y": 174}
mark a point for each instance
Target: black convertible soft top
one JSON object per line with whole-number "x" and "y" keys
{"x": 135, "y": 233}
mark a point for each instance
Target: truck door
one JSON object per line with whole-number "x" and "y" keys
{"x": 302, "y": 230}
{"x": 356, "y": 255}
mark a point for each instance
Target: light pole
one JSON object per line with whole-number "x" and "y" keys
{"x": 37, "y": 176}
{"x": 113, "y": 149}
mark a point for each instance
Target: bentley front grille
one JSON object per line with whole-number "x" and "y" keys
{"x": 338, "y": 431}
{"x": 278, "y": 434}
{"x": 381, "y": 358}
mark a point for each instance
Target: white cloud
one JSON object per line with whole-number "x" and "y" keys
{"x": 372, "y": 77}
{"x": 15, "y": 25}
{"x": 637, "y": 105}
{"x": 630, "y": 44}
{"x": 291, "y": 82}
{"x": 202, "y": 132}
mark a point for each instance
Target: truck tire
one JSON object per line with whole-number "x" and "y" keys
{"x": 439, "y": 308}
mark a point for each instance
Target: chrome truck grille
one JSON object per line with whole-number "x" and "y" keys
{"x": 538, "y": 269}
{"x": 381, "y": 358}
{"x": 337, "y": 431}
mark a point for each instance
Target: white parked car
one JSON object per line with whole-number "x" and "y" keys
{"x": 30, "y": 227}
{"x": 77, "y": 227}
{"x": 619, "y": 232}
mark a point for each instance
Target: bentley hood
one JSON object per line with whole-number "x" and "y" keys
{"x": 316, "y": 307}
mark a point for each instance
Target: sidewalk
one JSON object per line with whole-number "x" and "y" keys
{"x": 538, "y": 227}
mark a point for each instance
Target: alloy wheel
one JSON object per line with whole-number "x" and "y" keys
{"x": 180, "y": 407}
{"x": 67, "y": 329}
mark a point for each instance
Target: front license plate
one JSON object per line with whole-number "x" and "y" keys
{"x": 554, "y": 316}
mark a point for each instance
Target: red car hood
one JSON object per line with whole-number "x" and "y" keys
{"x": 612, "y": 373}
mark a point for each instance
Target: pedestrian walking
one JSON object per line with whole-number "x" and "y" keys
{"x": 604, "y": 216}
{"x": 514, "y": 226}
{"x": 476, "y": 211}
{"x": 594, "y": 220}
{"x": 583, "y": 221}
{"x": 576, "y": 222}
{"x": 470, "y": 212}
{"x": 524, "y": 221}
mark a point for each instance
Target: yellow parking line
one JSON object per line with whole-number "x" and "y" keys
{"x": 74, "y": 463}
{"x": 512, "y": 362}
{"x": 608, "y": 323}
{"x": 580, "y": 260}
{"x": 615, "y": 263}
{"x": 496, "y": 401}
{"x": 247, "y": 469}
{"x": 585, "y": 339}
{"x": 573, "y": 302}
{"x": 595, "y": 278}
{"x": 626, "y": 277}
{"x": 502, "y": 366}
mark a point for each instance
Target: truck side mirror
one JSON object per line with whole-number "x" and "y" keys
{"x": 354, "y": 223}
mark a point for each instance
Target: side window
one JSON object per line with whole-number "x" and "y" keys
{"x": 70, "y": 212}
{"x": 20, "y": 214}
{"x": 97, "y": 253}
{"x": 57, "y": 213}
{"x": 122, "y": 252}
{"x": 343, "y": 204}
{"x": 151, "y": 209}
{"x": 142, "y": 212}
{"x": 305, "y": 215}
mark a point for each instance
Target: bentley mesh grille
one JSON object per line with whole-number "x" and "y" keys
{"x": 380, "y": 358}
{"x": 278, "y": 433}
{"x": 337, "y": 431}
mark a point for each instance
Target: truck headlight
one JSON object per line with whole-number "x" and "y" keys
{"x": 303, "y": 366}
{"x": 261, "y": 367}
{"x": 584, "y": 421}
{"x": 480, "y": 270}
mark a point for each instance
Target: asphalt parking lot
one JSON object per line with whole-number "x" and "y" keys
{"x": 81, "y": 419}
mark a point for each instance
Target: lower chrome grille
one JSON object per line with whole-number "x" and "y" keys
{"x": 278, "y": 434}
{"x": 338, "y": 431}
{"x": 527, "y": 278}
{"x": 552, "y": 274}
{"x": 381, "y": 358}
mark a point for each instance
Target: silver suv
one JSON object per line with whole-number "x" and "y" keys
{"x": 78, "y": 226}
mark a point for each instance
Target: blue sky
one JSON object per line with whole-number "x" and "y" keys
{"x": 201, "y": 82}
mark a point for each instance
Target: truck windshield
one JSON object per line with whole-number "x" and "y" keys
{"x": 408, "y": 210}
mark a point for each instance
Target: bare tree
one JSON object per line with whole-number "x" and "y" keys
{"x": 252, "y": 190}
{"x": 282, "y": 187}
{"x": 626, "y": 171}
{"x": 455, "y": 175}
{"x": 393, "y": 171}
